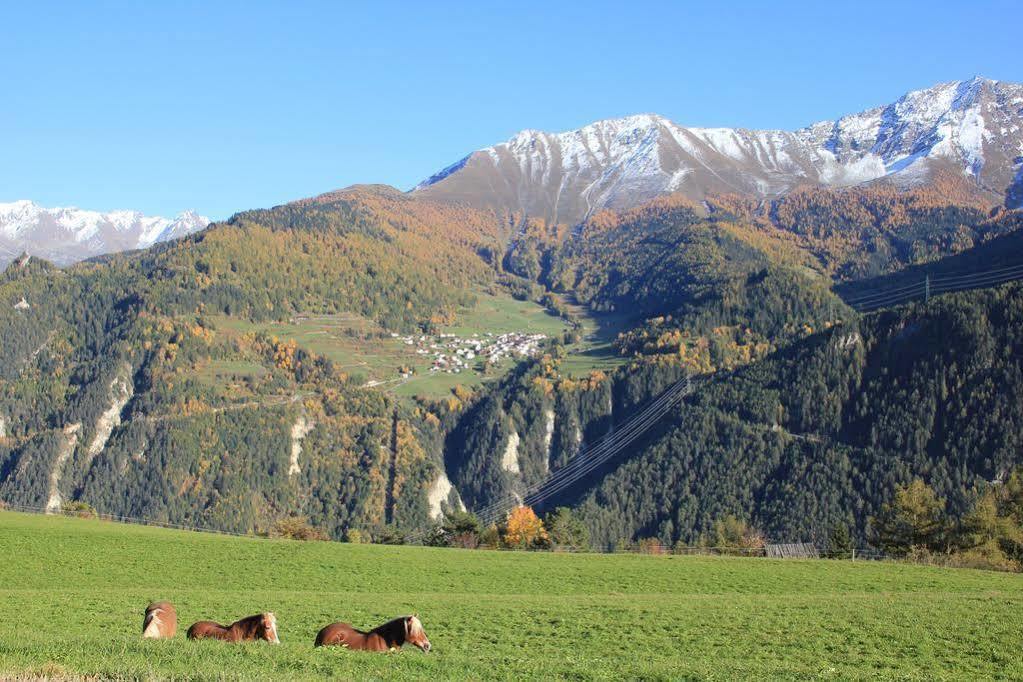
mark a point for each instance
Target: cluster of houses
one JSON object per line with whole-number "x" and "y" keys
{"x": 452, "y": 354}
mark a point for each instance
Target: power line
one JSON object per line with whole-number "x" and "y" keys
{"x": 992, "y": 271}
{"x": 886, "y": 292}
{"x": 868, "y": 300}
{"x": 610, "y": 446}
{"x": 586, "y": 461}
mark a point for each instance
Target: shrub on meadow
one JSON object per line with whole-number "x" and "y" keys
{"x": 356, "y": 536}
{"x": 650, "y": 546}
{"x": 297, "y": 528}
{"x": 82, "y": 510}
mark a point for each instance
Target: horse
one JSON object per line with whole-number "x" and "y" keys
{"x": 391, "y": 635}
{"x": 160, "y": 622}
{"x": 260, "y": 626}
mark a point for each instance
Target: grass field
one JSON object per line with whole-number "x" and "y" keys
{"x": 72, "y": 594}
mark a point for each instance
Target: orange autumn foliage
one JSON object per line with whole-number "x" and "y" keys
{"x": 524, "y": 528}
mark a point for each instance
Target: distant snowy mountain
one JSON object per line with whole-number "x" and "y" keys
{"x": 66, "y": 235}
{"x": 975, "y": 126}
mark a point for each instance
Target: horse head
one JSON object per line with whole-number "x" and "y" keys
{"x": 269, "y": 628}
{"x": 414, "y": 633}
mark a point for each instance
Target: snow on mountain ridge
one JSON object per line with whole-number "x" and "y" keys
{"x": 69, "y": 234}
{"x": 614, "y": 163}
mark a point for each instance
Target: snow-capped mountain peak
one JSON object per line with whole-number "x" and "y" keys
{"x": 68, "y": 234}
{"x": 976, "y": 125}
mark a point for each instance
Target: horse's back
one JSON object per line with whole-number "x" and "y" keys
{"x": 205, "y": 629}
{"x": 161, "y": 620}
{"x": 336, "y": 634}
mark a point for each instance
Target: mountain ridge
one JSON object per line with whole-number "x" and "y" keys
{"x": 69, "y": 234}
{"x": 974, "y": 125}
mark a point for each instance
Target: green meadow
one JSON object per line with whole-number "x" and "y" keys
{"x": 363, "y": 348}
{"x": 72, "y": 593}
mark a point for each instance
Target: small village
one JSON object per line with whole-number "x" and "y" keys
{"x": 452, "y": 354}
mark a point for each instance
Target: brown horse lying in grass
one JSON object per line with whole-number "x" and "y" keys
{"x": 160, "y": 622}
{"x": 391, "y": 635}
{"x": 260, "y": 626}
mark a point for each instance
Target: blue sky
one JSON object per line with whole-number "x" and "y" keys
{"x": 223, "y": 106}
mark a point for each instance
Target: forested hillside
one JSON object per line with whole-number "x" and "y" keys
{"x": 142, "y": 384}
{"x": 819, "y": 434}
{"x": 118, "y": 390}
{"x": 870, "y": 230}
{"x": 814, "y": 436}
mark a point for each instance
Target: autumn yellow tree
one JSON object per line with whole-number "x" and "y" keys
{"x": 523, "y": 529}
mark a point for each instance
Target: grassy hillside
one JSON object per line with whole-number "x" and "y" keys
{"x": 72, "y": 594}
{"x": 363, "y": 348}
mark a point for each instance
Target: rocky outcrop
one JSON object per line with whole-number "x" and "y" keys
{"x": 548, "y": 438}
{"x": 121, "y": 391}
{"x": 67, "y": 448}
{"x": 439, "y": 493}
{"x": 299, "y": 430}
{"x": 510, "y": 458}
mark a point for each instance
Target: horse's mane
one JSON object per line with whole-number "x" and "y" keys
{"x": 394, "y": 629}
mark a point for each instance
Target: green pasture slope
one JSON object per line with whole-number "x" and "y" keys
{"x": 72, "y": 594}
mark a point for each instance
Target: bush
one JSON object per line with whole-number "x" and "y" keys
{"x": 82, "y": 510}
{"x": 490, "y": 538}
{"x": 913, "y": 521}
{"x": 734, "y": 537}
{"x": 567, "y": 531}
{"x": 458, "y": 529}
{"x": 524, "y": 530}
{"x": 840, "y": 543}
{"x": 356, "y": 536}
{"x": 297, "y": 528}
{"x": 650, "y": 546}
{"x": 389, "y": 535}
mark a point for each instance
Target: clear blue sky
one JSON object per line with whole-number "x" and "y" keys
{"x": 223, "y": 106}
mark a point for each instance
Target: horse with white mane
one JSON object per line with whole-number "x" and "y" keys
{"x": 392, "y": 635}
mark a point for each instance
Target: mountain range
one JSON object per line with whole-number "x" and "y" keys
{"x": 66, "y": 235}
{"x": 973, "y": 126}
{"x": 344, "y": 358}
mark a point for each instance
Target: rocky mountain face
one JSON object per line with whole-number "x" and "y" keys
{"x": 67, "y": 235}
{"x": 974, "y": 126}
